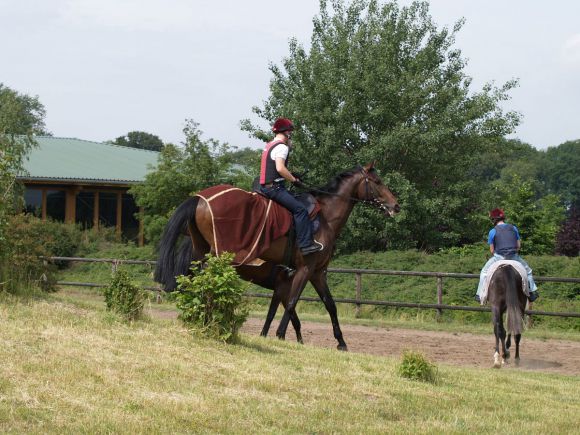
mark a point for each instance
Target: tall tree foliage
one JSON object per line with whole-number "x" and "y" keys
{"x": 537, "y": 217}
{"x": 561, "y": 171}
{"x": 21, "y": 117}
{"x": 140, "y": 139}
{"x": 180, "y": 172}
{"x": 382, "y": 82}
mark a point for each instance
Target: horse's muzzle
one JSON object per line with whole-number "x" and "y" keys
{"x": 390, "y": 210}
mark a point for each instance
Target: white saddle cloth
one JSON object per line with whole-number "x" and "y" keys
{"x": 502, "y": 263}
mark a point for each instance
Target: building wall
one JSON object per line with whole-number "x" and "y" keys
{"x": 89, "y": 206}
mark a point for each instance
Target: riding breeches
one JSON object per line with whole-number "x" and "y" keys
{"x": 299, "y": 212}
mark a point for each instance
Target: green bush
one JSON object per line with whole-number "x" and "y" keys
{"x": 415, "y": 366}
{"x": 124, "y": 297}
{"x": 211, "y": 300}
{"x": 29, "y": 238}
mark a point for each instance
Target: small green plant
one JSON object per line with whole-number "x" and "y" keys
{"x": 415, "y": 366}
{"x": 124, "y": 297}
{"x": 211, "y": 300}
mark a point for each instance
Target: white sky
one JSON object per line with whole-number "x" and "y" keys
{"x": 103, "y": 68}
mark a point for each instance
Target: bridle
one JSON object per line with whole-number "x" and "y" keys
{"x": 373, "y": 201}
{"x": 368, "y": 200}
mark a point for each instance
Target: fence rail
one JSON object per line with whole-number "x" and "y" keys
{"x": 357, "y": 301}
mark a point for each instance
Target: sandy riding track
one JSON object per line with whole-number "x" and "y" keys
{"x": 463, "y": 349}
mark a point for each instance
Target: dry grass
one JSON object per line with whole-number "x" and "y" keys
{"x": 71, "y": 369}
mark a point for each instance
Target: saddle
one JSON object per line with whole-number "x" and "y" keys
{"x": 247, "y": 223}
{"x": 503, "y": 263}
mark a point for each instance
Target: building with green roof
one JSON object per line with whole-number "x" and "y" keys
{"x": 78, "y": 181}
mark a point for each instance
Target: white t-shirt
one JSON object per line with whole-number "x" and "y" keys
{"x": 279, "y": 151}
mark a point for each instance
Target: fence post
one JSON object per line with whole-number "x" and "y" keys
{"x": 439, "y": 296}
{"x": 358, "y": 277}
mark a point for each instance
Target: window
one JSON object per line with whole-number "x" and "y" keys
{"x": 55, "y": 204}
{"x": 33, "y": 202}
{"x": 130, "y": 224}
{"x": 107, "y": 209}
{"x": 85, "y": 207}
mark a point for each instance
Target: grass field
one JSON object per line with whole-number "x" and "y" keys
{"x": 71, "y": 367}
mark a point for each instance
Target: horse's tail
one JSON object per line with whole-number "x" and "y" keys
{"x": 515, "y": 321}
{"x": 166, "y": 269}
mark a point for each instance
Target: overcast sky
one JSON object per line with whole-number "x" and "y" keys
{"x": 103, "y": 68}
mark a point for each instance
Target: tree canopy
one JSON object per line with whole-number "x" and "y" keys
{"x": 21, "y": 117}
{"x": 383, "y": 82}
{"x": 140, "y": 139}
{"x": 561, "y": 172}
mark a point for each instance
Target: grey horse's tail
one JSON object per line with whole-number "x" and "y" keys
{"x": 515, "y": 321}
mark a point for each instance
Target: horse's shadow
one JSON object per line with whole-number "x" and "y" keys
{"x": 255, "y": 346}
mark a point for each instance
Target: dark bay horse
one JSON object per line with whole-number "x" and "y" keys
{"x": 505, "y": 294}
{"x": 337, "y": 200}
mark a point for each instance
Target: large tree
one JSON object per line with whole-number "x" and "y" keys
{"x": 561, "y": 171}
{"x": 140, "y": 139}
{"x": 382, "y": 82}
{"x": 21, "y": 117}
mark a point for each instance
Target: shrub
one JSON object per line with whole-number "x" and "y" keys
{"x": 415, "y": 366}
{"x": 211, "y": 300}
{"x": 29, "y": 239}
{"x": 568, "y": 240}
{"x": 124, "y": 297}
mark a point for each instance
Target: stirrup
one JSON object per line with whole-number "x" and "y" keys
{"x": 315, "y": 247}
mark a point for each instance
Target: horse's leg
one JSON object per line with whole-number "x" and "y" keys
{"x": 518, "y": 337}
{"x": 502, "y": 336}
{"x": 282, "y": 288}
{"x": 274, "y": 302}
{"x": 297, "y": 286}
{"x": 508, "y": 344}
{"x": 517, "y": 340}
{"x": 297, "y": 326}
{"x": 320, "y": 284}
{"x": 292, "y": 317}
{"x": 497, "y": 326}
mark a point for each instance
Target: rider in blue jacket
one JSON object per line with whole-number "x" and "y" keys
{"x": 504, "y": 244}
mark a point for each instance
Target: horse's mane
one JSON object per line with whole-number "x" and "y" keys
{"x": 331, "y": 188}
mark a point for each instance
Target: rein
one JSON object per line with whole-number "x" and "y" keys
{"x": 373, "y": 203}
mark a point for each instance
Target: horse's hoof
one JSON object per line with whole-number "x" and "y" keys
{"x": 281, "y": 337}
{"x": 342, "y": 347}
{"x": 517, "y": 361}
{"x": 496, "y": 361}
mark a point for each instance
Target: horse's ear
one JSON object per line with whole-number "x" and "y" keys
{"x": 370, "y": 166}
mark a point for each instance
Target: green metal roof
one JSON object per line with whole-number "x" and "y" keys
{"x": 76, "y": 160}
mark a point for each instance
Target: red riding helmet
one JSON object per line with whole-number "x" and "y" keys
{"x": 282, "y": 124}
{"x": 496, "y": 214}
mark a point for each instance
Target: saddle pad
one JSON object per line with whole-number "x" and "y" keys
{"x": 502, "y": 263}
{"x": 244, "y": 223}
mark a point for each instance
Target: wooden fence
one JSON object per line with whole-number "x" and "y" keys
{"x": 357, "y": 300}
